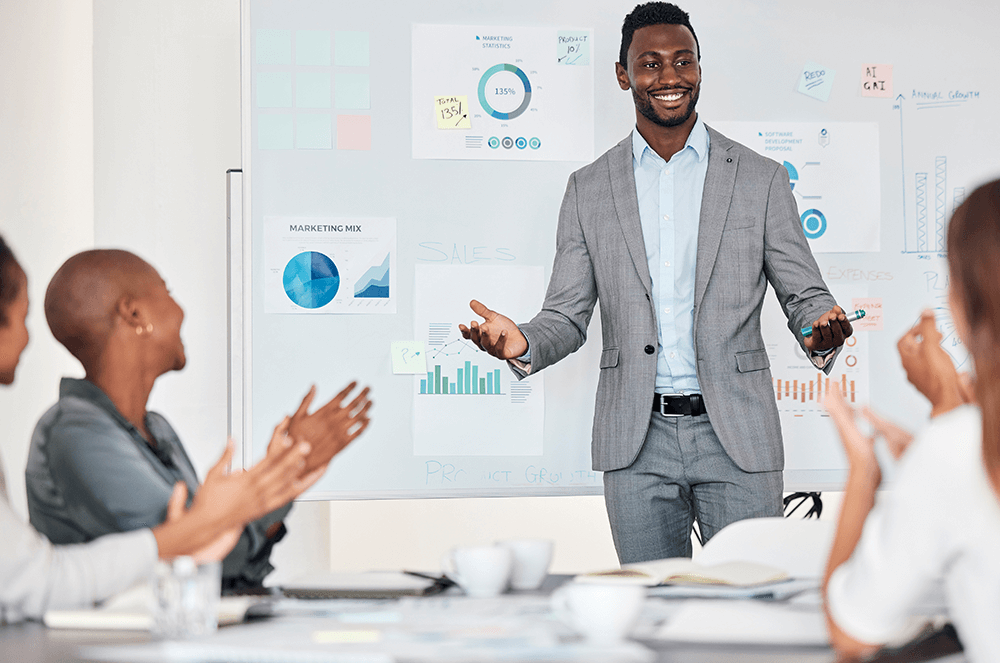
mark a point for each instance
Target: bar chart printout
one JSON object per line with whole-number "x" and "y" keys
{"x": 469, "y": 403}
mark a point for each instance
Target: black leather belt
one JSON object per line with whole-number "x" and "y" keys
{"x": 679, "y": 405}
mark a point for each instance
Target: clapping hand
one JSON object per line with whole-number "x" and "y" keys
{"x": 332, "y": 426}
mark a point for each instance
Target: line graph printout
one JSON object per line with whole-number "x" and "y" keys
{"x": 329, "y": 265}
{"x": 468, "y": 403}
{"x": 834, "y": 172}
{"x": 800, "y": 387}
{"x": 502, "y": 93}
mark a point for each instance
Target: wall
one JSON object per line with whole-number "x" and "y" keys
{"x": 46, "y": 188}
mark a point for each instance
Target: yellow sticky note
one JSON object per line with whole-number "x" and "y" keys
{"x": 339, "y": 637}
{"x": 452, "y": 112}
{"x": 876, "y": 80}
{"x": 872, "y": 306}
{"x": 408, "y": 357}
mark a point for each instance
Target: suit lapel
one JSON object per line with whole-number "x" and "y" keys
{"x": 627, "y": 206}
{"x": 715, "y": 201}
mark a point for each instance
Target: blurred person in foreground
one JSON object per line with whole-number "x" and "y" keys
{"x": 941, "y": 519}
{"x": 100, "y": 462}
{"x": 36, "y": 576}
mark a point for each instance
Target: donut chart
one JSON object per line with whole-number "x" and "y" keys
{"x": 484, "y": 82}
{"x": 311, "y": 279}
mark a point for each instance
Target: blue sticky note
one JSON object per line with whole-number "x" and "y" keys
{"x": 312, "y": 47}
{"x": 573, "y": 47}
{"x": 274, "y": 89}
{"x": 816, "y": 81}
{"x": 314, "y": 131}
{"x": 312, "y": 89}
{"x": 353, "y": 91}
{"x": 274, "y": 132}
{"x": 274, "y": 46}
{"x": 350, "y": 49}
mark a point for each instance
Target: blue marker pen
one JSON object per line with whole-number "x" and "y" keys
{"x": 851, "y": 317}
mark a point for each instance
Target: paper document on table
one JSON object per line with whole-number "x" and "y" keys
{"x": 681, "y": 570}
{"x": 746, "y": 622}
{"x": 373, "y": 584}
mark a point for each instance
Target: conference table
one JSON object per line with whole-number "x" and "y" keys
{"x": 518, "y": 626}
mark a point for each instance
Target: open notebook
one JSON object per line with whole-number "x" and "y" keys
{"x": 683, "y": 571}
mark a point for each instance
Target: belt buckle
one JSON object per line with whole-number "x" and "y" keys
{"x": 663, "y": 406}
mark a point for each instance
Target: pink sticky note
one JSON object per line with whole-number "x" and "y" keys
{"x": 876, "y": 80}
{"x": 354, "y": 132}
{"x": 872, "y": 306}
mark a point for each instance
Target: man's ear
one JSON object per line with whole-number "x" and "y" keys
{"x": 622, "y": 75}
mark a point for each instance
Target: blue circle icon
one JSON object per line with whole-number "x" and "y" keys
{"x": 534, "y": 143}
{"x": 793, "y": 175}
{"x": 311, "y": 280}
{"x": 813, "y": 223}
{"x": 493, "y": 142}
{"x": 521, "y": 142}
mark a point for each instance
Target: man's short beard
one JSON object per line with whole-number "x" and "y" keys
{"x": 646, "y": 108}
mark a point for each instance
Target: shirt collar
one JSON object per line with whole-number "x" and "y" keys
{"x": 697, "y": 140}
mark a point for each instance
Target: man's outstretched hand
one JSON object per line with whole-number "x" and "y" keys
{"x": 497, "y": 335}
{"x": 830, "y": 331}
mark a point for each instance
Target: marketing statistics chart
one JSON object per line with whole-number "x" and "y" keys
{"x": 833, "y": 168}
{"x": 469, "y": 403}
{"x": 330, "y": 265}
{"x": 502, "y": 93}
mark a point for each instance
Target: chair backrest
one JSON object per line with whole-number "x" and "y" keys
{"x": 799, "y": 547}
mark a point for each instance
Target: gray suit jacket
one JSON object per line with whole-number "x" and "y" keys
{"x": 749, "y": 235}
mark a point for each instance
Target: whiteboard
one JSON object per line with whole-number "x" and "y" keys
{"x": 340, "y": 111}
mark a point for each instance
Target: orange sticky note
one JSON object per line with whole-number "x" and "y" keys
{"x": 872, "y": 306}
{"x": 354, "y": 132}
{"x": 876, "y": 80}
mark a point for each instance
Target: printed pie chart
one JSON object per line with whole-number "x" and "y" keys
{"x": 311, "y": 279}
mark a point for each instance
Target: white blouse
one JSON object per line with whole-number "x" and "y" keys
{"x": 36, "y": 575}
{"x": 940, "y": 520}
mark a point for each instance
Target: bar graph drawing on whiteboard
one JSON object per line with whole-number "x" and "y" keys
{"x": 469, "y": 403}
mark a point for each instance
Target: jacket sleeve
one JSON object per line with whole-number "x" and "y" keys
{"x": 789, "y": 264}
{"x": 560, "y": 328}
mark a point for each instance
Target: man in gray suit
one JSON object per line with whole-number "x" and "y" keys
{"x": 677, "y": 230}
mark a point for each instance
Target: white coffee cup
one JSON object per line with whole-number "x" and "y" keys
{"x": 531, "y": 561}
{"x": 481, "y": 571}
{"x": 603, "y": 614}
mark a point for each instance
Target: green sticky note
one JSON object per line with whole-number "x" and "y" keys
{"x": 314, "y": 131}
{"x": 353, "y": 91}
{"x": 312, "y": 47}
{"x": 573, "y": 47}
{"x": 312, "y": 90}
{"x": 274, "y": 89}
{"x": 274, "y": 47}
{"x": 274, "y": 132}
{"x": 408, "y": 357}
{"x": 350, "y": 49}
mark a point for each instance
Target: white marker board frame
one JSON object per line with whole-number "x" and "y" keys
{"x": 782, "y": 36}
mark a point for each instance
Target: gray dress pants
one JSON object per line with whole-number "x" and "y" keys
{"x": 682, "y": 474}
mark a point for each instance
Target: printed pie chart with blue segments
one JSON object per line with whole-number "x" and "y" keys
{"x": 311, "y": 279}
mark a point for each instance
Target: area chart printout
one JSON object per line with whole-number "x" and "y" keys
{"x": 329, "y": 265}
{"x": 833, "y": 168}
{"x": 502, "y": 93}
{"x": 469, "y": 403}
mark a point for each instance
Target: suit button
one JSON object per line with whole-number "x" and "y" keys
{"x": 650, "y": 349}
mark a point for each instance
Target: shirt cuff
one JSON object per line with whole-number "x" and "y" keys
{"x": 820, "y": 358}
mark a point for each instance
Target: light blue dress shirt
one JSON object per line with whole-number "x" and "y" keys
{"x": 669, "y": 194}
